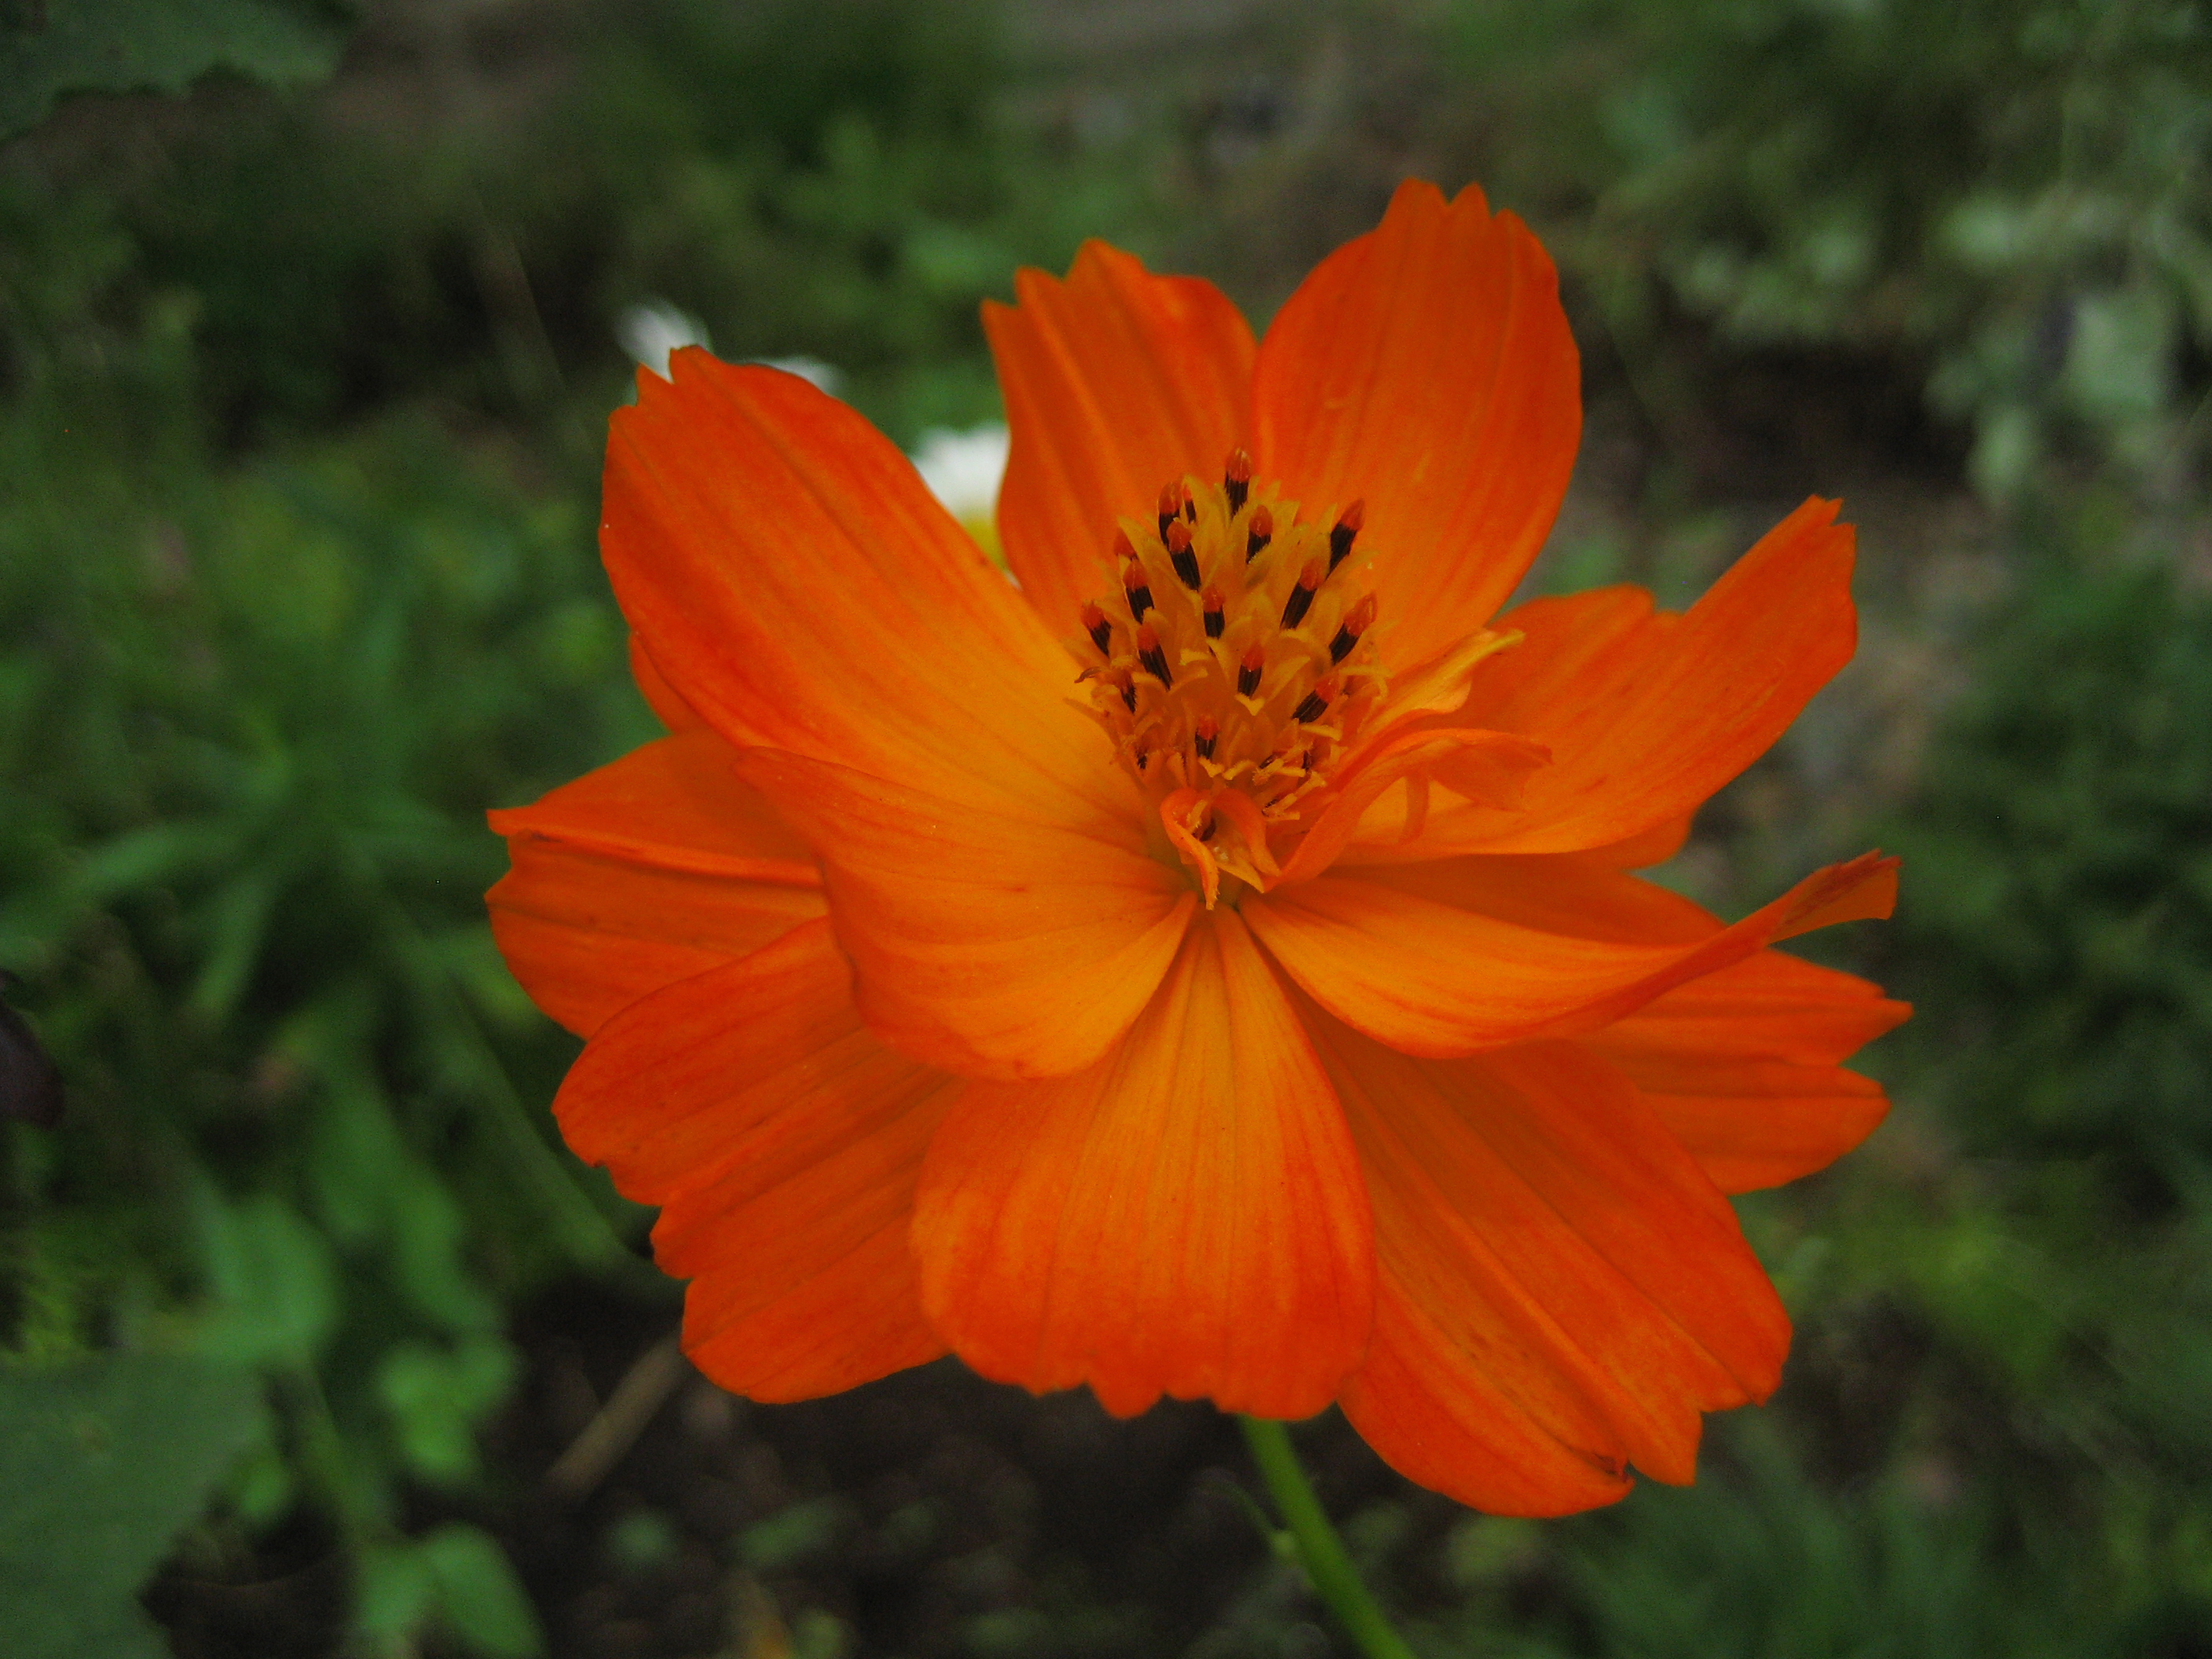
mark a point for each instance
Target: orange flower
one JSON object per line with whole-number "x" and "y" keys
{"x": 1211, "y": 968}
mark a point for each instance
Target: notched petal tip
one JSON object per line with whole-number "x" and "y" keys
{"x": 1115, "y": 378}
{"x": 1427, "y": 368}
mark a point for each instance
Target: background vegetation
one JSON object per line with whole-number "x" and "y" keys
{"x": 302, "y": 388}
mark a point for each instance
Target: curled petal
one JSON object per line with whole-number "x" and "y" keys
{"x": 1742, "y": 1067}
{"x": 1473, "y": 962}
{"x": 1488, "y": 765}
{"x": 1174, "y": 812}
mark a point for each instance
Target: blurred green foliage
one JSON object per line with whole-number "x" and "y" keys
{"x": 248, "y": 749}
{"x": 2009, "y": 198}
{"x": 833, "y": 181}
{"x": 47, "y": 51}
{"x": 301, "y": 400}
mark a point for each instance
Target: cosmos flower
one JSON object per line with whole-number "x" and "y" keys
{"x": 1212, "y": 966}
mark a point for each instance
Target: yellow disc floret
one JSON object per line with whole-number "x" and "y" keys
{"x": 1231, "y": 661}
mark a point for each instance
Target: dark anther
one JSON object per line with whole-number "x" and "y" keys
{"x": 1154, "y": 659}
{"x": 1237, "y": 480}
{"x": 1203, "y": 735}
{"x": 1317, "y": 700}
{"x": 1171, "y": 504}
{"x": 1249, "y": 671}
{"x": 1128, "y": 694}
{"x": 1348, "y": 527}
{"x": 1189, "y": 504}
{"x": 1361, "y": 617}
{"x": 1183, "y": 555}
{"x": 1257, "y": 536}
{"x": 1143, "y": 758}
{"x": 1096, "y": 625}
{"x": 1139, "y": 590}
{"x": 1301, "y": 596}
{"x": 1210, "y": 608}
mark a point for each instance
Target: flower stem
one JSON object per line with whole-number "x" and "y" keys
{"x": 1321, "y": 1551}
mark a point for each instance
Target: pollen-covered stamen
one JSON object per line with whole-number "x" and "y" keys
{"x": 1356, "y": 621}
{"x": 1231, "y": 668}
{"x": 1258, "y": 533}
{"x": 1249, "y": 670}
{"x": 1301, "y": 596}
{"x": 1180, "y": 556}
{"x": 1317, "y": 702}
{"x": 1138, "y": 587}
{"x": 1340, "y": 538}
{"x": 1149, "y": 653}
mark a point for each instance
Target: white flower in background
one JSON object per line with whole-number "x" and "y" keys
{"x": 963, "y": 471}
{"x": 652, "y": 331}
{"x": 823, "y": 377}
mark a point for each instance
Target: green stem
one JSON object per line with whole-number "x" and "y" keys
{"x": 1321, "y": 1551}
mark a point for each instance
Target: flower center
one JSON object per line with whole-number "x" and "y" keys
{"x": 1232, "y": 663}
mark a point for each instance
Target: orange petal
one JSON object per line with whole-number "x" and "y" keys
{"x": 649, "y": 870}
{"x": 1187, "y": 1217}
{"x": 1429, "y": 1407}
{"x": 1428, "y": 367}
{"x": 983, "y": 941}
{"x": 674, "y": 713}
{"x": 1646, "y": 715}
{"x": 1741, "y": 1065}
{"x": 1457, "y": 956}
{"x": 1116, "y": 382}
{"x": 1555, "y": 1269}
{"x": 797, "y": 585}
{"x": 1651, "y": 847}
{"x": 784, "y": 1142}
{"x": 1494, "y": 764}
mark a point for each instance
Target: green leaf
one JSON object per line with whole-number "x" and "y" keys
{"x": 393, "y": 1594}
{"x": 274, "y": 1284}
{"x": 435, "y": 1397}
{"x": 101, "y": 1462}
{"x": 50, "y": 47}
{"x": 481, "y": 1599}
